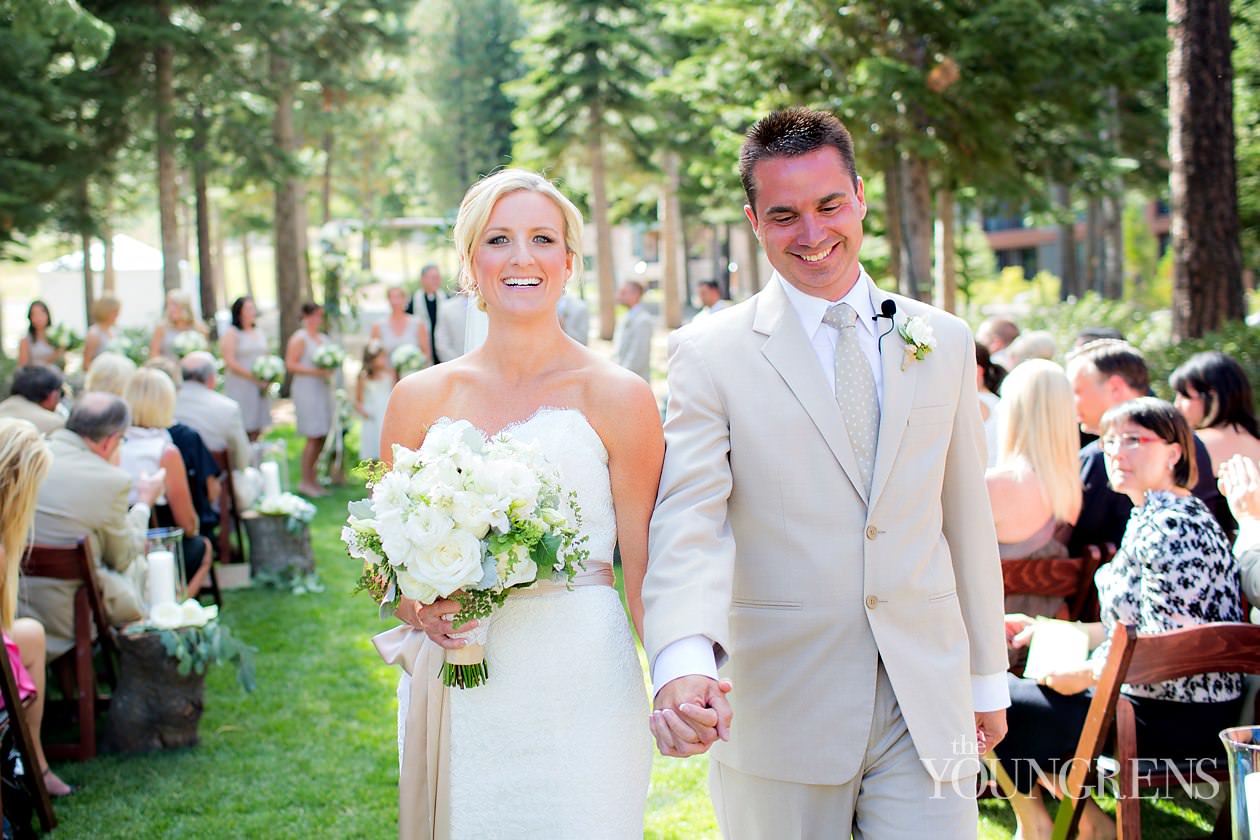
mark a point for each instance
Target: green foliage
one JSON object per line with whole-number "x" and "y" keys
{"x": 196, "y": 648}
{"x": 1144, "y": 328}
{"x": 1247, "y": 126}
{"x": 1234, "y": 339}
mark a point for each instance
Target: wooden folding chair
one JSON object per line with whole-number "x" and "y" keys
{"x": 1142, "y": 659}
{"x": 15, "y": 718}
{"x": 74, "y": 563}
{"x": 1069, "y": 578}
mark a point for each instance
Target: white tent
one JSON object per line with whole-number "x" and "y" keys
{"x": 138, "y": 284}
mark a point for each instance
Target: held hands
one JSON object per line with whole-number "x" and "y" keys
{"x": 434, "y": 621}
{"x": 691, "y": 713}
{"x": 1239, "y": 480}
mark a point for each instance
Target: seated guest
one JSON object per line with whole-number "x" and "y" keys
{"x": 996, "y": 334}
{"x": 147, "y": 450}
{"x": 215, "y": 417}
{"x": 1103, "y": 374}
{"x": 109, "y": 374}
{"x": 1088, "y": 334}
{"x": 85, "y": 495}
{"x": 1036, "y": 486}
{"x": 1173, "y": 569}
{"x": 989, "y": 378}
{"x": 1215, "y": 397}
{"x": 35, "y": 395}
{"x": 1037, "y": 344}
{"x": 24, "y": 461}
{"x": 203, "y": 472}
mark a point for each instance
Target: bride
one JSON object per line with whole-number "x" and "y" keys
{"x": 554, "y": 744}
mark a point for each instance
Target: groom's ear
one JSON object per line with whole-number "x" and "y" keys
{"x": 752, "y": 219}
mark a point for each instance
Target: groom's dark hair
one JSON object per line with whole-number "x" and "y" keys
{"x": 789, "y": 133}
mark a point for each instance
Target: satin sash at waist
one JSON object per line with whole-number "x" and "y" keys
{"x": 595, "y": 574}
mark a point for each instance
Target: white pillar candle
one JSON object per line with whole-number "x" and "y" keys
{"x": 161, "y": 578}
{"x": 271, "y": 479}
{"x": 1251, "y": 789}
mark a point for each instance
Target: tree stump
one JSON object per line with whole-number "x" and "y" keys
{"x": 274, "y": 549}
{"x": 154, "y": 706}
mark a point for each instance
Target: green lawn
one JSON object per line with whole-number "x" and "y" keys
{"x": 311, "y": 753}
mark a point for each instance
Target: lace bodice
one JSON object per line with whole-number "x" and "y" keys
{"x": 572, "y": 444}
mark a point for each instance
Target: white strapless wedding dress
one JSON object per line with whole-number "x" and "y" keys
{"x": 555, "y": 745}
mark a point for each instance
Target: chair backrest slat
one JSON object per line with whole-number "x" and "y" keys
{"x": 1229, "y": 647}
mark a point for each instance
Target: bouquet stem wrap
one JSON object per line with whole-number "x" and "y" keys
{"x": 466, "y": 667}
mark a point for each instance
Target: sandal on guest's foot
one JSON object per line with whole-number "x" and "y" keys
{"x": 54, "y": 785}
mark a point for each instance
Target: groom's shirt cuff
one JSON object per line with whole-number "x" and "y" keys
{"x": 989, "y": 692}
{"x": 689, "y": 655}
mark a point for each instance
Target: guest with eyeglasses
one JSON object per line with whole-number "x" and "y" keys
{"x": 1173, "y": 569}
{"x": 1104, "y": 374}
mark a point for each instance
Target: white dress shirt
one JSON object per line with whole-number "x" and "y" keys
{"x": 694, "y": 654}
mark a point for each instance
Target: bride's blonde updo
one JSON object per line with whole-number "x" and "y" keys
{"x": 478, "y": 203}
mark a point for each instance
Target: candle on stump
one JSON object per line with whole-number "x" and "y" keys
{"x": 160, "y": 580}
{"x": 271, "y": 479}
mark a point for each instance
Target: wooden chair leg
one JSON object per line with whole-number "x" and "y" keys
{"x": 1128, "y": 800}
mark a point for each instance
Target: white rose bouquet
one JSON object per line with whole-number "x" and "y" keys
{"x": 64, "y": 337}
{"x": 270, "y": 369}
{"x": 329, "y": 356}
{"x": 189, "y": 341}
{"x": 466, "y": 518}
{"x": 407, "y": 358}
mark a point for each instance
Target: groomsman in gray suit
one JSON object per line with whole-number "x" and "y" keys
{"x": 822, "y": 532}
{"x": 632, "y": 342}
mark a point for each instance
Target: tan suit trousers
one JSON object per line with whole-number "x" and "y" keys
{"x": 871, "y": 806}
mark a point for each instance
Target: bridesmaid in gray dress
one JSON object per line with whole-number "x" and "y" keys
{"x": 179, "y": 319}
{"x": 311, "y": 393}
{"x": 104, "y": 312}
{"x": 241, "y": 346}
{"x": 399, "y": 328}
{"x": 34, "y": 348}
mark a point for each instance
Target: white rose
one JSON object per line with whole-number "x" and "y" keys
{"x": 437, "y": 481}
{"x": 166, "y": 616}
{"x": 391, "y": 494}
{"x": 414, "y": 588}
{"x": 920, "y": 332}
{"x": 195, "y": 615}
{"x": 394, "y": 540}
{"x": 476, "y": 514}
{"x": 426, "y": 527}
{"x": 405, "y": 460}
{"x": 510, "y": 481}
{"x": 522, "y": 568}
{"x": 454, "y": 564}
{"x": 455, "y": 439}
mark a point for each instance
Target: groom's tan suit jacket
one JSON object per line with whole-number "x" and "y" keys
{"x": 763, "y": 542}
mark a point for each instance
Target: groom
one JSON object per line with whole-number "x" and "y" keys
{"x": 822, "y": 532}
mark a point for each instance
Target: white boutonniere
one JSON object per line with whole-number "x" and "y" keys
{"x": 917, "y": 333}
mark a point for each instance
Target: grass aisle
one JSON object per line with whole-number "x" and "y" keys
{"x": 312, "y": 752}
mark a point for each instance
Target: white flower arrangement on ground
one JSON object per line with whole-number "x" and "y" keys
{"x": 407, "y": 358}
{"x": 189, "y": 341}
{"x": 920, "y": 340}
{"x": 299, "y": 511}
{"x": 63, "y": 337}
{"x": 467, "y": 518}
{"x": 172, "y": 616}
{"x": 329, "y": 356}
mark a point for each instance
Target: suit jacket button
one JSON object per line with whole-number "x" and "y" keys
{"x": 871, "y": 602}
{"x": 871, "y": 532}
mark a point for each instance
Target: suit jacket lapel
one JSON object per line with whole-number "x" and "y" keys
{"x": 899, "y": 388}
{"x": 789, "y": 352}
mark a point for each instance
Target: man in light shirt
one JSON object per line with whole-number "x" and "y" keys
{"x": 822, "y": 533}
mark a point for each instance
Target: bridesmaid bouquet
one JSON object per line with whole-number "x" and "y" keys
{"x": 467, "y": 518}
{"x": 64, "y": 337}
{"x": 407, "y": 358}
{"x": 189, "y": 341}
{"x": 270, "y": 369}
{"x": 329, "y": 356}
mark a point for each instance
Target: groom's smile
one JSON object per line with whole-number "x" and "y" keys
{"x": 809, "y": 219}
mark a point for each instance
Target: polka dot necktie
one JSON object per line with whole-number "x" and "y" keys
{"x": 855, "y": 390}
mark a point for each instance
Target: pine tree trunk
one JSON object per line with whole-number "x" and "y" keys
{"x": 1093, "y": 246}
{"x": 85, "y": 244}
{"x": 668, "y": 215}
{"x": 289, "y": 291}
{"x": 603, "y": 232}
{"x": 1069, "y": 277}
{"x": 249, "y": 275}
{"x": 916, "y": 223}
{"x": 303, "y": 234}
{"x": 892, "y": 221}
{"x": 109, "y": 276}
{"x": 1207, "y": 256}
{"x": 946, "y": 281}
{"x": 168, "y": 194}
{"x": 1113, "y": 236}
{"x": 205, "y": 260}
{"x": 325, "y": 195}
{"x": 753, "y": 261}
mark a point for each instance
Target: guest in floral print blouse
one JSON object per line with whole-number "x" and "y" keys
{"x": 1173, "y": 569}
